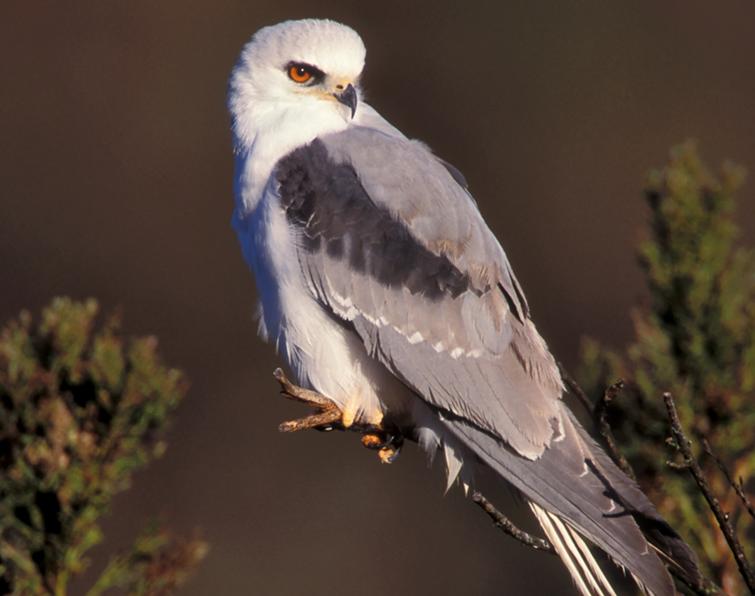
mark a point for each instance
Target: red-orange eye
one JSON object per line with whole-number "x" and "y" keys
{"x": 300, "y": 73}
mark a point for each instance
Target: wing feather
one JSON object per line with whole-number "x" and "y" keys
{"x": 390, "y": 242}
{"x": 392, "y": 245}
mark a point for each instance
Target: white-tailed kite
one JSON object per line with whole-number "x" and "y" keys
{"x": 384, "y": 290}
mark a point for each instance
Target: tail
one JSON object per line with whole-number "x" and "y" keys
{"x": 577, "y": 492}
{"x": 576, "y": 555}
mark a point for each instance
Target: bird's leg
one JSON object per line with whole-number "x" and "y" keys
{"x": 329, "y": 417}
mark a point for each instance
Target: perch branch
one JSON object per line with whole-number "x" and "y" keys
{"x": 604, "y": 429}
{"x": 329, "y": 418}
{"x": 737, "y": 486}
{"x": 506, "y": 525}
{"x": 724, "y": 523}
{"x": 599, "y": 415}
{"x": 575, "y": 389}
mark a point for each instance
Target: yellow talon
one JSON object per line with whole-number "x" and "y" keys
{"x": 348, "y": 415}
{"x": 376, "y": 418}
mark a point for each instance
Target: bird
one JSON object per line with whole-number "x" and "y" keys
{"x": 382, "y": 287}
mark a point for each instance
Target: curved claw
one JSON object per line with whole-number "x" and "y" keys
{"x": 388, "y": 455}
{"x": 387, "y": 445}
{"x": 330, "y": 417}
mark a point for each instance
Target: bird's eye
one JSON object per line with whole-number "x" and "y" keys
{"x": 301, "y": 73}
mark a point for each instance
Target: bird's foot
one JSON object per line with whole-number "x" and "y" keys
{"x": 386, "y": 444}
{"x": 330, "y": 417}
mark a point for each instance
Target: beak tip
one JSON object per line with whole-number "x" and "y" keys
{"x": 348, "y": 98}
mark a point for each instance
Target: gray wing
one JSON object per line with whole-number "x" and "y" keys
{"x": 391, "y": 244}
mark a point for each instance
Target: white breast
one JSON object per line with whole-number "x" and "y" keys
{"x": 321, "y": 352}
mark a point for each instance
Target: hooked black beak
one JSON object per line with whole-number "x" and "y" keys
{"x": 348, "y": 98}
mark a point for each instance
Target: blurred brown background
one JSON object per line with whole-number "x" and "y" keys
{"x": 115, "y": 164}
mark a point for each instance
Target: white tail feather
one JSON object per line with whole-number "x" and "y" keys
{"x": 587, "y": 556}
{"x": 575, "y": 554}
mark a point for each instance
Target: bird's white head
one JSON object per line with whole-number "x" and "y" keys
{"x": 296, "y": 80}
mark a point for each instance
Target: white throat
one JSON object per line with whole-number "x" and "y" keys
{"x": 269, "y": 132}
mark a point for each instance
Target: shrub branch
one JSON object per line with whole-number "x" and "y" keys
{"x": 690, "y": 463}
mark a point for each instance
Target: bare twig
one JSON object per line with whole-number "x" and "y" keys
{"x": 684, "y": 446}
{"x": 599, "y": 415}
{"x": 576, "y": 390}
{"x": 737, "y": 486}
{"x": 505, "y": 524}
{"x": 604, "y": 429}
{"x": 330, "y": 417}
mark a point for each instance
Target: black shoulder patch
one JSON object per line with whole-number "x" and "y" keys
{"x": 328, "y": 203}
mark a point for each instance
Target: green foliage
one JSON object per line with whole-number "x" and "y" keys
{"x": 695, "y": 339}
{"x": 80, "y": 411}
{"x": 156, "y": 565}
